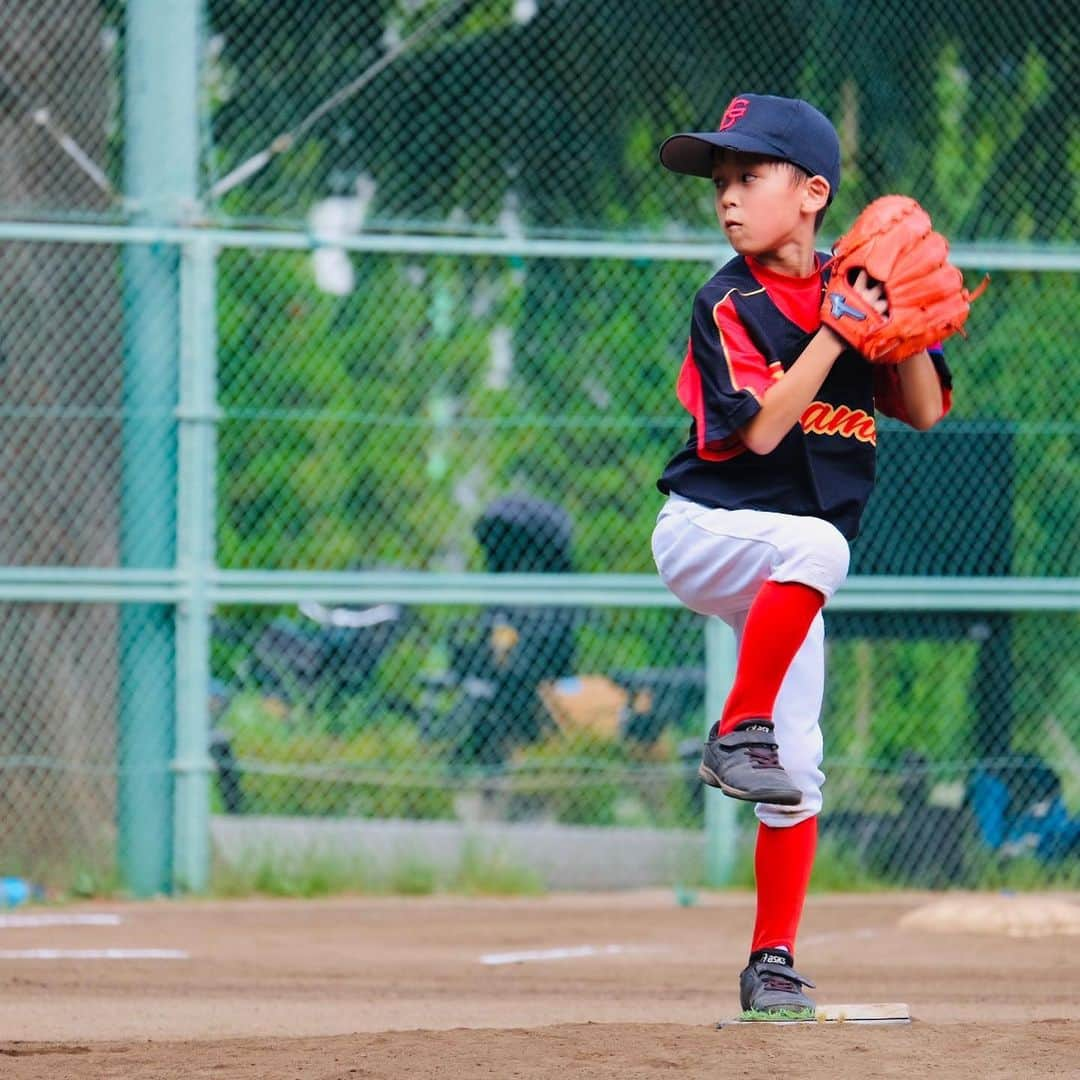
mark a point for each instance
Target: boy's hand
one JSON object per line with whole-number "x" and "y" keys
{"x": 873, "y": 292}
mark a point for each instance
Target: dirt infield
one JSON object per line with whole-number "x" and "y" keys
{"x": 614, "y": 986}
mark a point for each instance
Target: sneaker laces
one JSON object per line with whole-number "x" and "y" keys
{"x": 781, "y": 983}
{"x": 763, "y": 756}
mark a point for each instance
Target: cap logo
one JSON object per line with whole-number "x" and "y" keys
{"x": 735, "y": 111}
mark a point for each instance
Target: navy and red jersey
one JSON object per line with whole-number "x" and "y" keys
{"x": 749, "y": 326}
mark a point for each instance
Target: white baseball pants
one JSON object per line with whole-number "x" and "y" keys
{"x": 715, "y": 561}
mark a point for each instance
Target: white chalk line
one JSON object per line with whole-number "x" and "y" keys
{"x": 94, "y": 954}
{"x": 8, "y": 922}
{"x": 575, "y": 952}
{"x": 34, "y": 920}
{"x": 570, "y": 952}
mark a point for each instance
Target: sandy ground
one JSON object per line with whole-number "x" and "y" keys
{"x": 391, "y": 988}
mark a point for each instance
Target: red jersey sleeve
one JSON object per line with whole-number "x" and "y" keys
{"x": 723, "y": 376}
{"x": 887, "y": 396}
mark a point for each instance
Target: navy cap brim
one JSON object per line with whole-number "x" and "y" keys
{"x": 691, "y": 152}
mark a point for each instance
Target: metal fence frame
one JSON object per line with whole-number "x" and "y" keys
{"x": 162, "y": 211}
{"x": 194, "y": 585}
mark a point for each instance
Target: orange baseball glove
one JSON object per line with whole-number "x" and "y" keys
{"x": 894, "y": 241}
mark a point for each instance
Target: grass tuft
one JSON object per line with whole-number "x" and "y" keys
{"x": 315, "y": 874}
{"x": 306, "y": 876}
{"x": 492, "y": 874}
{"x": 760, "y": 1016}
{"x": 412, "y": 877}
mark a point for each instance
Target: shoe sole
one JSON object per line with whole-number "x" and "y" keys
{"x": 776, "y": 796}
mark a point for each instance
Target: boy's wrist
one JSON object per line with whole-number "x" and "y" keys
{"x": 829, "y": 336}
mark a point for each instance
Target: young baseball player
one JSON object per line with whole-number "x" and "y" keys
{"x": 765, "y": 496}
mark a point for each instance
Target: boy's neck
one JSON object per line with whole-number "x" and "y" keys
{"x": 793, "y": 259}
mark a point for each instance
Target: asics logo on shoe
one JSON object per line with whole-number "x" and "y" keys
{"x": 775, "y": 958}
{"x": 840, "y": 307}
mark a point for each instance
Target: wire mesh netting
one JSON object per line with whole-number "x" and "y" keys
{"x": 67, "y": 670}
{"x": 376, "y": 427}
{"x": 943, "y": 753}
{"x": 547, "y": 115}
{"x": 421, "y": 406}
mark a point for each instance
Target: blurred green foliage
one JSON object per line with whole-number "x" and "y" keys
{"x": 968, "y": 108}
{"x": 369, "y": 429}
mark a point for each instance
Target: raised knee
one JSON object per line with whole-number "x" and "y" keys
{"x": 819, "y": 556}
{"x": 832, "y": 549}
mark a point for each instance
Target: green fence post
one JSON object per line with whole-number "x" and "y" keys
{"x": 195, "y": 562}
{"x": 161, "y": 182}
{"x": 721, "y": 823}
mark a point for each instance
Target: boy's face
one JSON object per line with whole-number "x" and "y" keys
{"x": 760, "y": 203}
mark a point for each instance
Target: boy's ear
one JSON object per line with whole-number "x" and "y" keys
{"x": 816, "y": 194}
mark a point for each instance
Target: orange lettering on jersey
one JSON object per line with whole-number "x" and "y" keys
{"x": 820, "y": 418}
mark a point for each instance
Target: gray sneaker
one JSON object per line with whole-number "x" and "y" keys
{"x": 744, "y": 764}
{"x": 769, "y": 984}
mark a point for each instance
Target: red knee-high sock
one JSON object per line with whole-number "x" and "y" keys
{"x": 776, "y": 626}
{"x": 783, "y": 860}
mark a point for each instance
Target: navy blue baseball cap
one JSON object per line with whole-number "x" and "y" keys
{"x": 778, "y": 127}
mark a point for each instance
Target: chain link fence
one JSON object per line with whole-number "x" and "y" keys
{"x": 452, "y": 289}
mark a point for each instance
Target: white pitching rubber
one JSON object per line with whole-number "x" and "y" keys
{"x": 893, "y": 1012}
